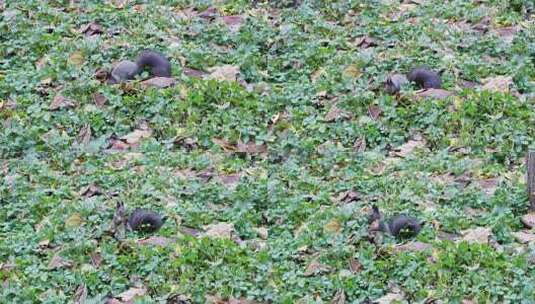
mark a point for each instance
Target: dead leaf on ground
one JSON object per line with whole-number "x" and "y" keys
{"x": 335, "y": 113}
{"x": 84, "y": 136}
{"x": 130, "y": 140}
{"x": 524, "y": 236}
{"x": 178, "y": 299}
{"x": 408, "y": 147}
{"x": 155, "y": 240}
{"x": 360, "y": 145}
{"x": 262, "y": 232}
{"x": 233, "y": 22}
{"x": 58, "y": 262}
{"x": 92, "y": 28}
{"x": 159, "y": 82}
{"x": 489, "y": 185}
{"x": 132, "y": 293}
{"x": 193, "y": 73}
{"x": 433, "y": 94}
{"x": 333, "y": 226}
{"x": 119, "y": 3}
{"x": 477, "y": 235}
{"x": 209, "y": 13}
{"x": 351, "y": 71}
{"x": 77, "y": 59}
{"x": 190, "y": 231}
{"x": 528, "y": 220}
{"x": 389, "y": 298}
{"x": 339, "y": 297}
{"x": 506, "y": 33}
{"x": 497, "y": 84}
{"x": 354, "y": 265}
{"x": 75, "y": 220}
{"x": 414, "y": 246}
{"x": 80, "y": 295}
{"x": 251, "y": 148}
{"x": 347, "y": 196}
{"x": 60, "y": 102}
{"x": 96, "y": 259}
{"x": 374, "y": 111}
{"x": 219, "y": 230}
{"x": 225, "y": 72}
{"x": 483, "y": 25}
{"x": 230, "y": 180}
{"x": 315, "y": 267}
{"x": 365, "y": 42}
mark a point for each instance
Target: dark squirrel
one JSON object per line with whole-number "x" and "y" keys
{"x": 145, "y": 221}
{"x": 425, "y": 78}
{"x": 157, "y": 63}
{"x": 396, "y": 226}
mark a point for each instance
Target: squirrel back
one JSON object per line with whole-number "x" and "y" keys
{"x": 159, "y": 65}
{"x": 145, "y": 220}
{"x": 425, "y": 78}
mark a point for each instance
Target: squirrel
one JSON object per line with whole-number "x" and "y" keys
{"x": 157, "y": 63}
{"x": 396, "y": 226}
{"x": 425, "y": 78}
{"x": 145, "y": 220}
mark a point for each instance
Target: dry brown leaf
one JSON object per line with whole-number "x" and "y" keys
{"x": 477, "y": 235}
{"x": 374, "y": 111}
{"x": 60, "y": 102}
{"x": 489, "y": 185}
{"x": 230, "y": 180}
{"x": 225, "y": 72}
{"x": 351, "y": 71}
{"x": 339, "y": 297}
{"x": 80, "y": 295}
{"x": 414, "y": 246}
{"x": 209, "y": 13}
{"x": 58, "y": 262}
{"x": 390, "y": 298}
{"x": 90, "y": 191}
{"x": 119, "y": 3}
{"x": 317, "y": 74}
{"x": 365, "y": 42}
{"x": 528, "y": 220}
{"x": 84, "y": 136}
{"x": 92, "y": 28}
{"x": 483, "y": 25}
{"x": 434, "y": 94}
{"x": 190, "y": 231}
{"x": 524, "y": 236}
{"x": 347, "y": 196}
{"x": 251, "y": 148}
{"x": 96, "y": 259}
{"x": 219, "y": 230}
{"x": 224, "y": 144}
{"x": 132, "y": 293}
{"x": 408, "y": 147}
{"x": 497, "y": 84}
{"x": 335, "y": 113}
{"x": 506, "y": 33}
{"x": 333, "y": 226}
{"x": 262, "y": 232}
{"x": 156, "y": 241}
{"x": 136, "y": 136}
{"x": 193, "y": 73}
{"x": 77, "y": 58}
{"x": 233, "y": 22}
{"x": 354, "y": 265}
{"x": 315, "y": 268}
{"x": 159, "y": 82}
{"x": 360, "y": 145}
{"x": 75, "y": 220}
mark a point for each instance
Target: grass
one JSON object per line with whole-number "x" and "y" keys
{"x": 297, "y": 61}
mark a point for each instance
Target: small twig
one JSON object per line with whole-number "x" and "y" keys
{"x": 530, "y": 163}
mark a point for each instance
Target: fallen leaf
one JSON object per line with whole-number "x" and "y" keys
{"x": 159, "y": 82}
{"x": 506, "y": 33}
{"x": 333, "y": 226}
{"x": 251, "y": 148}
{"x": 316, "y": 267}
{"x": 90, "y": 191}
{"x": 193, "y": 73}
{"x": 132, "y": 293}
{"x": 190, "y": 231}
{"x": 348, "y": 196}
{"x": 477, "y": 235}
{"x": 528, "y": 220}
{"x": 524, "y": 237}
{"x": 317, "y": 74}
{"x": 96, "y": 259}
{"x": 409, "y": 147}
{"x": 84, "y": 136}
{"x": 156, "y": 241}
{"x": 389, "y": 298}
{"x": 92, "y": 28}
{"x": 351, "y": 71}
{"x": 374, "y": 111}
{"x": 80, "y": 295}
{"x": 58, "y": 262}
{"x": 75, "y": 220}
{"x": 119, "y": 3}
{"x": 219, "y": 230}
{"x": 497, "y": 84}
{"x": 224, "y": 73}
{"x": 230, "y": 180}
{"x": 233, "y": 22}
{"x": 414, "y": 246}
{"x": 483, "y": 25}
{"x": 178, "y": 299}
{"x": 209, "y": 13}
{"x": 360, "y": 145}
{"x": 339, "y": 297}
{"x": 224, "y": 144}
{"x": 335, "y": 113}
{"x": 489, "y": 186}
{"x": 434, "y": 94}
{"x": 76, "y": 58}
{"x": 365, "y": 42}
{"x": 136, "y": 136}
{"x": 354, "y": 265}
{"x": 262, "y": 232}
{"x": 60, "y": 102}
